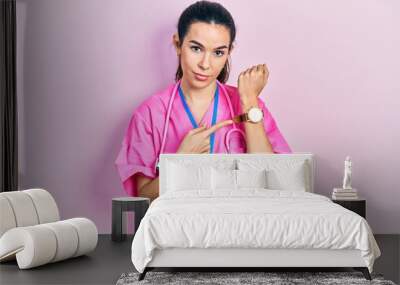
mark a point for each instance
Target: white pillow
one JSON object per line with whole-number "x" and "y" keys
{"x": 223, "y": 179}
{"x": 291, "y": 178}
{"x": 282, "y": 174}
{"x": 251, "y": 178}
{"x": 230, "y": 179}
{"x": 183, "y": 177}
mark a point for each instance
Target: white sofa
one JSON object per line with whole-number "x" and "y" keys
{"x": 31, "y": 231}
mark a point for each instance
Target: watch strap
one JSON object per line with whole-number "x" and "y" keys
{"x": 244, "y": 117}
{"x": 240, "y": 118}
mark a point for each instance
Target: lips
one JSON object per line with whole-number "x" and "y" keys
{"x": 200, "y": 77}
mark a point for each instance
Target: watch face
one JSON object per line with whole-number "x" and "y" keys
{"x": 255, "y": 114}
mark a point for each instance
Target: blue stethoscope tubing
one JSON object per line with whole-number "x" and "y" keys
{"x": 227, "y": 136}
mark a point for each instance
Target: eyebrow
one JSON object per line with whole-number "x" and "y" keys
{"x": 196, "y": 42}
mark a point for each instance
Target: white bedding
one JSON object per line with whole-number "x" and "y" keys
{"x": 250, "y": 218}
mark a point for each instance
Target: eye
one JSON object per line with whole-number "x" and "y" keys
{"x": 195, "y": 48}
{"x": 221, "y": 53}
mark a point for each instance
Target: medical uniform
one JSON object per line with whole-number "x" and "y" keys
{"x": 143, "y": 137}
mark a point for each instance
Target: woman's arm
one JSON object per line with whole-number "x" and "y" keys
{"x": 250, "y": 84}
{"x": 147, "y": 187}
{"x": 256, "y": 138}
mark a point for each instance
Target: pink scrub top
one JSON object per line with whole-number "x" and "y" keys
{"x": 143, "y": 137}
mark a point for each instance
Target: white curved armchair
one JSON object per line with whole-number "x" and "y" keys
{"x": 31, "y": 230}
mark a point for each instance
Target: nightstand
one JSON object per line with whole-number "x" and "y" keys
{"x": 138, "y": 205}
{"x": 358, "y": 206}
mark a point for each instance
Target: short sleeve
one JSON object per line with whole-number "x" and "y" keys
{"x": 137, "y": 154}
{"x": 275, "y": 137}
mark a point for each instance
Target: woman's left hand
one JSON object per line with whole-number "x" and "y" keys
{"x": 251, "y": 82}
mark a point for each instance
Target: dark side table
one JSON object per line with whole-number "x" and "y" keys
{"x": 358, "y": 206}
{"x": 138, "y": 205}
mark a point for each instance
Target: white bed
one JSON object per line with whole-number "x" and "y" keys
{"x": 221, "y": 225}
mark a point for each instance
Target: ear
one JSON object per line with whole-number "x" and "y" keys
{"x": 175, "y": 42}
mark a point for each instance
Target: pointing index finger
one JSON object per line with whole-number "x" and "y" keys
{"x": 217, "y": 126}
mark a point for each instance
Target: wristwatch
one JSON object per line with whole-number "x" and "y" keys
{"x": 254, "y": 115}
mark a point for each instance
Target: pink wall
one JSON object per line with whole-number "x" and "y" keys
{"x": 84, "y": 66}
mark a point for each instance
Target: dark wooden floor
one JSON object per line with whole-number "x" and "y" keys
{"x": 111, "y": 259}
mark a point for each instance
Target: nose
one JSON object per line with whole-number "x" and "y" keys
{"x": 204, "y": 64}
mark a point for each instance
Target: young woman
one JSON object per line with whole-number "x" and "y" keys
{"x": 199, "y": 113}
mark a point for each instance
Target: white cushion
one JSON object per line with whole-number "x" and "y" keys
{"x": 231, "y": 180}
{"x": 187, "y": 177}
{"x": 31, "y": 233}
{"x": 67, "y": 238}
{"x": 282, "y": 174}
{"x": 223, "y": 179}
{"x": 168, "y": 178}
{"x": 40, "y": 244}
{"x": 7, "y": 220}
{"x": 23, "y": 208}
{"x": 45, "y": 205}
{"x": 251, "y": 178}
{"x": 288, "y": 178}
{"x": 26, "y": 208}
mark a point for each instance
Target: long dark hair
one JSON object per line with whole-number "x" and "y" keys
{"x": 207, "y": 12}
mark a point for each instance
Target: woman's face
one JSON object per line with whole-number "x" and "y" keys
{"x": 203, "y": 53}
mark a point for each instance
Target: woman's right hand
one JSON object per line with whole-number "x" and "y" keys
{"x": 198, "y": 140}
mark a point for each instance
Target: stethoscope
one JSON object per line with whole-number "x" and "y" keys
{"x": 227, "y": 135}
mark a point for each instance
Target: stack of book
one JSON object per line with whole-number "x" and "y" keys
{"x": 344, "y": 194}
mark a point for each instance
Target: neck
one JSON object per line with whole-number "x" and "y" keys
{"x": 196, "y": 95}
